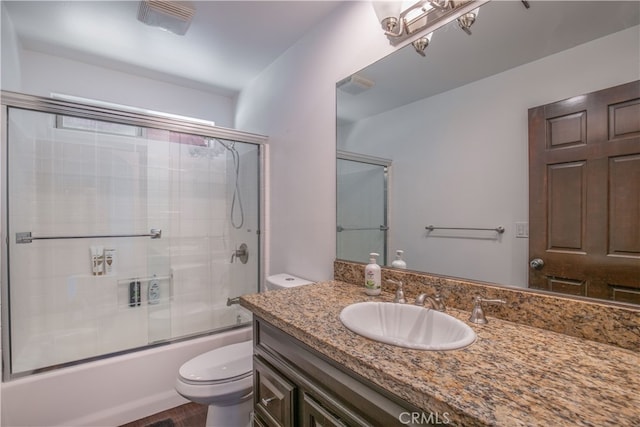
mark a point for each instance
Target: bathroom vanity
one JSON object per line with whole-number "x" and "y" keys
{"x": 309, "y": 368}
{"x": 296, "y": 386}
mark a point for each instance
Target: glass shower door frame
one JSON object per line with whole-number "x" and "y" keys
{"x": 385, "y": 164}
{"x": 132, "y": 118}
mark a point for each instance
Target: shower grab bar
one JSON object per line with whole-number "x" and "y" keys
{"x": 380, "y": 228}
{"x": 499, "y": 229}
{"x": 26, "y": 237}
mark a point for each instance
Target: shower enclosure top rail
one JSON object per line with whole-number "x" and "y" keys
{"x": 59, "y": 106}
{"x": 26, "y": 237}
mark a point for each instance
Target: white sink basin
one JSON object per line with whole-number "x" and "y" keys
{"x": 407, "y": 325}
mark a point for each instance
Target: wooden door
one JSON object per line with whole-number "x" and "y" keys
{"x": 584, "y": 195}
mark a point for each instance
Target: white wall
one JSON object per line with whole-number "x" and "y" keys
{"x": 293, "y": 101}
{"x": 43, "y": 74}
{"x": 472, "y": 171}
{"x": 9, "y": 60}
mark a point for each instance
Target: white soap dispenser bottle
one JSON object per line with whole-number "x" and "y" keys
{"x": 372, "y": 276}
{"x": 399, "y": 262}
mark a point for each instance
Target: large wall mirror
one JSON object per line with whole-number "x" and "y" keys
{"x": 433, "y": 150}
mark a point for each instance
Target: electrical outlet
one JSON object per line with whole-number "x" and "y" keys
{"x": 522, "y": 229}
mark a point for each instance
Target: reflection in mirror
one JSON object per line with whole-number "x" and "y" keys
{"x": 454, "y": 125}
{"x": 362, "y": 206}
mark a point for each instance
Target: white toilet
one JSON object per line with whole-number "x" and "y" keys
{"x": 284, "y": 281}
{"x": 223, "y": 378}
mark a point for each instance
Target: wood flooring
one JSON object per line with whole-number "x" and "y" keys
{"x": 187, "y": 415}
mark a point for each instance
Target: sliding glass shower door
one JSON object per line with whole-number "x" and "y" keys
{"x": 121, "y": 236}
{"x": 362, "y": 209}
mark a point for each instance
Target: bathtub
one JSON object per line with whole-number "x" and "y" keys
{"x": 109, "y": 392}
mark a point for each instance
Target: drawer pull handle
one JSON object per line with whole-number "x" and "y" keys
{"x": 266, "y": 402}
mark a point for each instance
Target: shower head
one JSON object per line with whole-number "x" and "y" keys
{"x": 207, "y": 150}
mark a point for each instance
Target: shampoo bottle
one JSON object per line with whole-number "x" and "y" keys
{"x": 372, "y": 275}
{"x": 399, "y": 262}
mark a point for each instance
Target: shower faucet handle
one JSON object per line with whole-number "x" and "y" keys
{"x": 241, "y": 253}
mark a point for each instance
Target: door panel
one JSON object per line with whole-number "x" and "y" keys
{"x": 584, "y": 184}
{"x": 624, "y": 205}
{"x": 566, "y": 205}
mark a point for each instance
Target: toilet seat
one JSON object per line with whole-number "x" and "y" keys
{"x": 222, "y": 365}
{"x": 220, "y": 377}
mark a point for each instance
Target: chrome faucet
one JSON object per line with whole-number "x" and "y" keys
{"x": 436, "y": 302}
{"x": 477, "y": 315}
{"x": 399, "y": 292}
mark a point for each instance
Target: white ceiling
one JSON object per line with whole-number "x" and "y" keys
{"x": 231, "y": 42}
{"x": 505, "y": 35}
{"x": 227, "y": 45}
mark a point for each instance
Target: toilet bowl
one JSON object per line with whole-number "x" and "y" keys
{"x": 223, "y": 378}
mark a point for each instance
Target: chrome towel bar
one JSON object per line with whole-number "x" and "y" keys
{"x": 26, "y": 237}
{"x": 499, "y": 229}
{"x": 381, "y": 228}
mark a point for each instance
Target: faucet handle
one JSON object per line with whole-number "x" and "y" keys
{"x": 399, "y": 292}
{"x": 477, "y": 314}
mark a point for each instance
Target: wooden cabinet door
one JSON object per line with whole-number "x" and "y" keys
{"x": 584, "y": 195}
{"x": 273, "y": 395}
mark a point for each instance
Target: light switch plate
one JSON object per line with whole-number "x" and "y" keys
{"x": 522, "y": 229}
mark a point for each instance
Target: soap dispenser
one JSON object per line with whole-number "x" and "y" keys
{"x": 399, "y": 262}
{"x": 372, "y": 276}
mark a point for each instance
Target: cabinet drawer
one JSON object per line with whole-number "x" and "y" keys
{"x": 314, "y": 415}
{"x": 273, "y": 396}
{"x": 257, "y": 421}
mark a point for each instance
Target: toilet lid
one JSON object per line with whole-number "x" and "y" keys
{"x": 224, "y": 364}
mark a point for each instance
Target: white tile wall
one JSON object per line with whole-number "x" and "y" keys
{"x": 68, "y": 182}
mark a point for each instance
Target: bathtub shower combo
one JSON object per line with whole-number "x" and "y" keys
{"x": 123, "y": 231}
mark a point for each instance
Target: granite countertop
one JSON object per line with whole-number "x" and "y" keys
{"x": 513, "y": 375}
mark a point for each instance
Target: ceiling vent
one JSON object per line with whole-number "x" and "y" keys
{"x": 174, "y": 16}
{"x": 355, "y": 84}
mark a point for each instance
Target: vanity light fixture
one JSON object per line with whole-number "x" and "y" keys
{"x": 400, "y": 21}
{"x": 466, "y": 21}
{"x": 421, "y": 43}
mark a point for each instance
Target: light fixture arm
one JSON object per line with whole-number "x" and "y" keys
{"x": 440, "y": 5}
{"x": 402, "y": 20}
{"x": 396, "y": 24}
{"x": 466, "y": 21}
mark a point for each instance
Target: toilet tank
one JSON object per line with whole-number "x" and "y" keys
{"x": 284, "y": 281}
